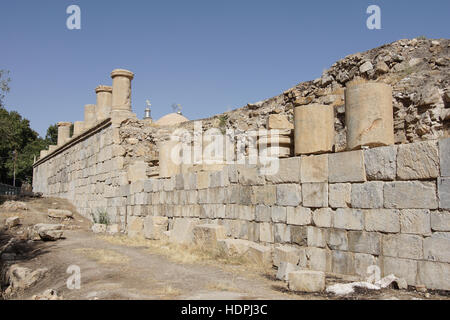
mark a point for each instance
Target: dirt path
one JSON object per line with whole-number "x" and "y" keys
{"x": 116, "y": 267}
{"x": 111, "y": 271}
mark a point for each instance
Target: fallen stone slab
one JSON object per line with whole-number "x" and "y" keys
{"x": 349, "y": 288}
{"x": 208, "y": 234}
{"x": 60, "y": 214}
{"x": 259, "y": 254}
{"x": 284, "y": 269}
{"x": 12, "y": 222}
{"x": 20, "y": 278}
{"x": 182, "y": 232}
{"x": 306, "y": 281}
{"x": 233, "y": 247}
{"x": 113, "y": 229}
{"x": 99, "y": 228}
{"x": 43, "y": 229}
{"x": 341, "y": 289}
{"x": 154, "y": 227}
{"x": 48, "y": 294}
{"x": 51, "y": 235}
{"x": 14, "y": 206}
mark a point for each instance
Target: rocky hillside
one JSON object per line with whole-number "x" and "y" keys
{"x": 417, "y": 69}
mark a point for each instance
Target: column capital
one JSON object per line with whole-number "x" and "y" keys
{"x": 102, "y": 88}
{"x": 122, "y": 73}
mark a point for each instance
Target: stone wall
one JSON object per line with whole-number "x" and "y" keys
{"x": 342, "y": 212}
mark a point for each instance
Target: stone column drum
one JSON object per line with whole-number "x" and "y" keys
{"x": 313, "y": 129}
{"x": 167, "y": 166}
{"x": 63, "y": 132}
{"x": 275, "y": 143}
{"x": 78, "y": 127}
{"x": 369, "y": 115}
{"x": 104, "y": 102}
{"x": 90, "y": 116}
{"x": 43, "y": 154}
{"x": 121, "y": 89}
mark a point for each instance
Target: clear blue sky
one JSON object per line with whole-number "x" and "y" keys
{"x": 210, "y": 56}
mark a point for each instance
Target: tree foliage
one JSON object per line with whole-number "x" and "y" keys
{"x": 16, "y": 136}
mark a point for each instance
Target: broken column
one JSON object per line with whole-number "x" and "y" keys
{"x": 90, "y": 116}
{"x": 121, "y": 94}
{"x": 276, "y": 141}
{"x": 63, "y": 132}
{"x": 369, "y": 115}
{"x": 104, "y": 102}
{"x": 169, "y": 158}
{"x": 78, "y": 127}
{"x": 313, "y": 129}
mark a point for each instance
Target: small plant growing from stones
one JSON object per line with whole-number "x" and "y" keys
{"x": 223, "y": 123}
{"x": 421, "y": 38}
{"x": 101, "y": 217}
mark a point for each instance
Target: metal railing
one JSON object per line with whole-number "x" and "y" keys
{"x": 6, "y": 189}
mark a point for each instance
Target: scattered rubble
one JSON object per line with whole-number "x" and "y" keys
{"x": 46, "y": 232}
{"x": 60, "y": 214}
{"x": 21, "y": 278}
{"x": 12, "y": 222}
{"x": 349, "y": 288}
{"x": 14, "y": 206}
{"x": 48, "y": 294}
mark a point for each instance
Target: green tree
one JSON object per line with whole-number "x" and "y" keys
{"x": 52, "y": 134}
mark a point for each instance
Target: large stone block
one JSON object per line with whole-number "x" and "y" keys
{"x": 406, "y": 246}
{"x": 415, "y": 221}
{"x": 317, "y": 259}
{"x": 259, "y": 254}
{"x": 314, "y": 129}
{"x": 323, "y": 217}
{"x": 154, "y": 227}
{"x": 440, "y": 221}
{"x": 278, "y": 122}
{"x": 135, "y": 227}
{"x": 350, "y": 219}
{"x": 382, "y": 220}
{"x": 444, "y": 155}
{"x": 288, "y": 171}
{"x": 367, "y": 195}
{"x": 263, "y": 213}
{"x": 202, "y": 180}
{"x": 401, "y": 268}
{"x": 285, "y": 254}
{"x": 418, "y": 161}
{"x": 314, "y": 168}
{"x": 298, "y": 216}
{"x": 340, "y": 195}
{"x": 278, "y": 214}
{"x": 337, "y": 239}
{"x": 266, "y": 233}
{"x": 208, "y": 234}
{"x": 284, "y": 269}
{"x": 362, "y": 262}
{"x": 282, "y": 233}
{"x": 364, "y": 242}
{"x": 343, "y": 262}
{"x": 137, "y": 171}
{"x": 182, "y": 232}
{"x": 410, "y": 195}
{"x": 316, "y": 237}
{"x": 249, "y": 176}
{"x": 299, "y": 235}
{"x": 265, "y": 194}
{"x": 306, "y": 281}
{"x": 444, "y": 193}
{"x": 288, "y": 195}
{"x": 436, "y": 249}
{"x": 233, "y": 247}
{"x": 381, "y": 163}
{"x": 434, "y": 275}
{"x": 346, "y": 167}
{"x": 315, "y": 195}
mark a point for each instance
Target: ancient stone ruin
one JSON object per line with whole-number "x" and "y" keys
{"x": 334, "y": 175}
